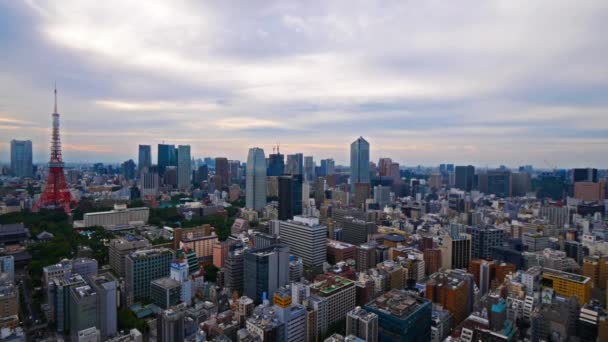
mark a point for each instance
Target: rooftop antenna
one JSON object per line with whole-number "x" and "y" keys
{"x": 278, "y": 145}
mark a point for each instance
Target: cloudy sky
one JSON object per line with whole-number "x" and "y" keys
{"x": 482, "y": 82}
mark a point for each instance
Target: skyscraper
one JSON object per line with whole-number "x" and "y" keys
{"x": 184, "y": 167}
{"x": 21, "y": 158}
{"x": 290, "y": 196}
{"x": 464, "y": 177}
{"x": 145, "y": 157}
{"x": 276, "y": 163}
{"x": 166, "y": 157}
{"x": 305, "y": 238}
{"x": 295, "y": 164}
{"x": 128, "y": 169}
{"x": 221, "y": 171}
{"x": 266, "y": 270}
{"x": 499, "y": 183}
{"x": 327, "y": 167}
{"x": 309, "y": 169}
{"x": 359, "y": 162}
{"x": 256, "y": 179}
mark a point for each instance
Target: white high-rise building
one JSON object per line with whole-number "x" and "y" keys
{"x": 179, "y": 272}
{"x": 256, "y": 179}
{"x": 184, "y": 167}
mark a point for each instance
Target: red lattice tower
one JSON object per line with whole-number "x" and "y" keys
{"x": 56, "y": 193}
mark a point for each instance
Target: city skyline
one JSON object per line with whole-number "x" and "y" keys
{"x": 517, "y": 88}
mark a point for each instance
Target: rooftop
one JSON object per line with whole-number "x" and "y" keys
{"x": 331, "y": 285}
{"x": 339, "y": 244}
{"x": 567, "y": 276}
{"x": 398, "y": 303}
{"x": 165, "y": 283}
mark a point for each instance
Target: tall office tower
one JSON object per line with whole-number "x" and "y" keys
{"x": 499, "y": 183}
{"x": 319, "y": 191}
{"x": 521, "y": 183}
{"x": 234, "y": 264}
{"x": 56, "y": 193}
{"x": 290, "y": 196}
{"x": 305, "y": 238}
{"x": 202, "y": 174}
{"x": 309, "y": 169}
{"x": 149, "y": 183}
{"x": 234, "y": 170}
{"x": 145, "y": 157}
{"x": 327, "y": 167}
{"x": 402, "y": 316}
{"x": 483, "y": 239}
{"x": 366, "y": 256}
{"x": 382, "y": 195}
{"x": 451, "y": 292}
{"x": 83, "y": 308}
{"x": 355, "y": 231}
{"x": 21, "y": 158}
{"x": 128, "y": 169}
{"x": 276, "y": 163}
{"x": 362, "y": 324}
{"x": 106, "y": 287}
{"x": 256, "y": 185}
{"x": 584, "y": 175}
{"x": 360, "y": 194}
{"x": 295, "y": 164}
{"x": 170, "y": 326}
{"x": 221, "y": 170}
{"x": 464, "y": 177}
{"x": 359, "y": 162}
{"x": 143, "y": 266}
{"x": 166, "y": 157}
{"x": 384, "y": 167}
{"x": 120, "y": 248}
{"x": 184, "y": 167}
{"x": 266, "y": 270}
{"x": 456, "y": 251}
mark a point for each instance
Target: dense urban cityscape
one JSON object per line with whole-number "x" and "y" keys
{"x": 280, "y": 248}
{"x": 303, "y": 171}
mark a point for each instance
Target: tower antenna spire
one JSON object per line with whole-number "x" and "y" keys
{"x": 55, "y": 98}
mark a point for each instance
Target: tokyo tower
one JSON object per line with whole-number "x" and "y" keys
{"x": 56, "y": 193}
